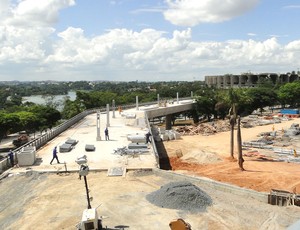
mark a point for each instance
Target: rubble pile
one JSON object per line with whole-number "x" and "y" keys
{"x": 283, "y": 144}
{"x": 204, "y": 128}
{"x": 211, "y": 128}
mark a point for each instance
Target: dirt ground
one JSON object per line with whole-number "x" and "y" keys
{"x": 56, "y": 201}
{"x": 43, "y": 201}
{"x": 209, "y": 156}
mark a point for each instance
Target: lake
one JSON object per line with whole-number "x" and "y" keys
{"x": 41, "y": 100}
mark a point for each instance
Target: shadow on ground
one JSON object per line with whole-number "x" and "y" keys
{"x": 164, "y": 160}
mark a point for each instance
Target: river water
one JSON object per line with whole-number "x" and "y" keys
{"x": 41, "y": 100}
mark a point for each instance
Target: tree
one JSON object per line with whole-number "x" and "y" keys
{"x": 28, "y": 121}
{"x": 71, "y": 108}
{"x": 239, "y": 144}
{"x": 234, "y": 100}
{"x": 9, "y": 122}
{"x": 289, "y": 94}
{"x": 223, "y": 105}
{"x": 261, "y": 97}
{"x": 48, "y": 116}
{"x": 205, "y": 102}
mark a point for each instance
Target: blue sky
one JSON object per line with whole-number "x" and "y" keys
{"x": 149, "y": 40}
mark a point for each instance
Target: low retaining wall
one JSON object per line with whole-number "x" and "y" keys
{"x": 242, "y": 192}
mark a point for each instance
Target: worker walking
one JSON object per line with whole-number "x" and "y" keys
{"x": 106, "y": 134}
{"x": 54, "y": 156}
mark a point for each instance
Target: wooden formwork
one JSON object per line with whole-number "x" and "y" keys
{"x": 283, "y": 198}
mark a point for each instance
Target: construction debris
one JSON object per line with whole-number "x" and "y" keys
{"x": 283, "y": 198}
{"x": 282, "y": 145}
{"x": 204, "y": 128}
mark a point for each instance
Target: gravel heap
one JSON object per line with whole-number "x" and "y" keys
{"x": 180, "y": 195}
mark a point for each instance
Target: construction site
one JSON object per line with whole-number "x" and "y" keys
{"x": 192, "y": 179}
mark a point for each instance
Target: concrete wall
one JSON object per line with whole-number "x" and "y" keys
{"x": 248, "y": 79}
{"x": 242, "y": 192}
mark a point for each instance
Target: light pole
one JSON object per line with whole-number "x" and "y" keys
{"x": 84, "y": 171}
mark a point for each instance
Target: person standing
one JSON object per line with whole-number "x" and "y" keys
{"x": 106, "y": 134}
{"x": 11, "y": 158}
{"x": 148, "y": 137}
{"x": 54, "y": 156}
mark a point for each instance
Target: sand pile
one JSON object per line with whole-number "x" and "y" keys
{"x": 201, "y": 157}
{"x": 180, "y": 195}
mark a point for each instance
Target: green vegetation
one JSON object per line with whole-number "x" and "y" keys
{"x": 210, "y": 103}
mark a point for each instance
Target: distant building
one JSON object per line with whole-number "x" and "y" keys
{"x": 248, "y": 79}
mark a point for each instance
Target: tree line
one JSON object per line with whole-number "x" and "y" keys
{"x": 210, "y": 102}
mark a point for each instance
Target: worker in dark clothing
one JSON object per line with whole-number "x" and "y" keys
{"x": 148, "y": 137}
{"x": 54, "y": 156}
{"x": 11, "y": 158}
{"x": 106, "y": 134}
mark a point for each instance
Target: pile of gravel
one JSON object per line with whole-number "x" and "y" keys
{"x": 180, "y": 195}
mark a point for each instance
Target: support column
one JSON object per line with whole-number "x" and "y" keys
{"x": 192, "y": 95}
{"x": 169, "y": 122}
{"x": 231, "y": 80}
{"x": 113, "y": 108}
{"x": 98, "y": 127}
{"x": 137, "y": 102}
{"x": 177, "y": 96}
{"x": 107, "y": 115}
{"x": 158, "y": 100}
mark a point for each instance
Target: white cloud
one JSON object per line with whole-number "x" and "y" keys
{"x": 292, "y": 7}
{"x": 36, "y": 13}
{"x": 122, "y": 54}
{"x": 121, "y": 51}
{"x": 26, "y": 27}
{"x": 40, "y": 53}
{"x": 194, "y": 12}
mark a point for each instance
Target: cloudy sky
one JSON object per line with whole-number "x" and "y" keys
{"x": 146, "y": 40}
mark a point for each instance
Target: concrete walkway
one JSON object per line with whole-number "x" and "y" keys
{"x": 103, "y": 158}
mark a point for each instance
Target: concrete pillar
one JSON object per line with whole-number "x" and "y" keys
{"x": 177, "y": 96}
{"x": 192, "y": 95}
{"x": 231, "y": 81}
{"x": 113, "y": 108}
{"x": 169, "y": 122}
{"x": 107, "y": 115}
{"x": 158, "y": 100}
{"x": 137, "y": 102}
{"x": 98, "y": 127}
{"x": 219, "y": 82}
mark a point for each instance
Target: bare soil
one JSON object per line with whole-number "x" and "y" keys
{"x": 209, "y": 156}
{"x": 56, "y": 201}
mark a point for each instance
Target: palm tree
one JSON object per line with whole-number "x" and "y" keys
{"x": 239, "y": 144}
{"x": 233, "y": 100}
